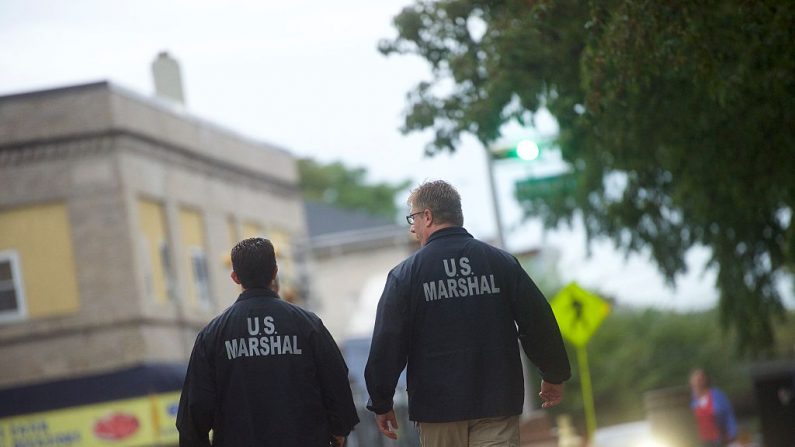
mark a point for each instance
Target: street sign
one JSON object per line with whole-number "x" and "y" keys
{"x": 579, "y": 313}
{"x": 545, "y": 187}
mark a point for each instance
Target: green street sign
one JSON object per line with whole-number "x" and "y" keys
{"x": 579, "y": 313}
{"x": 544, "y": 187}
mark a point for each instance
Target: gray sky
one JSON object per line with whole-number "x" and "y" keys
{"x": 305, "y": 75}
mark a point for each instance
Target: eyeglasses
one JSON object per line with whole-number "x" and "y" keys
{"x": 410, "y": 217}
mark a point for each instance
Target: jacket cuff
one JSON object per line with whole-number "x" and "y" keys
{"x": 556, "y": 379}
{"x": 380, "y": 407}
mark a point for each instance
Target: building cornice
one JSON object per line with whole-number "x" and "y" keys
{"x": 93, "y": 143}
{"x": 43, "y": 334}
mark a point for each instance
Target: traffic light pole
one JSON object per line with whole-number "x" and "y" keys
{"x": 529, "y": 387}
{"x": 495, "y": 199}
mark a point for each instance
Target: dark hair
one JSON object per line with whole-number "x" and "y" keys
{"x": 441, "y": 198}
{"x": 254, "y": 261}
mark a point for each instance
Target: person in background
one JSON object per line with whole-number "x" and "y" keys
{"x": 265, "y": 372}
{"x": 454, "y": 312}
{"x": 713, "y": 412}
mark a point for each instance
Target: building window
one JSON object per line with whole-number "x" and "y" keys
{"x": 12, "y": 295}
{"x": 200, "y": 276}
{"x": 165, "y": 259}
{"x": 156, "y": 251}
{"x": 193, "y": 257}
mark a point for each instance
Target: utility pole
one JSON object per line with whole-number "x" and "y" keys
{"x": 495, "y": 199}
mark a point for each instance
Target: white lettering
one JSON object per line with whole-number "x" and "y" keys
{"x": 452, "y": 287}
{"x": 231, "y": 349}
{"x": 262, "y": 346}
{"x": 287, "y": 348}
{"x": 242, "y": 350}
{"x": 270, "y": 328}
{"x": 430, "y": 291}
{"x": 442, "y": 290}
{"x": 462, "y": 286}
{"x": 472, "y": 283}
{"x": 450, "y": 271}
{"x": 494, "y": 288}
{"x": 484, "y": 285}
{"x": 255, "y": 329}
{"x": 276, "y": 345}
{"x": 466, "y": 270}
{"x": 266, "y": 349}
{"x": 296, "y": 349}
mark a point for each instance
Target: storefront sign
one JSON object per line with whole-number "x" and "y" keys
{"x": 140, "y": 421}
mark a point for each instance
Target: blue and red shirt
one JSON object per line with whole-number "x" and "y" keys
{"x": 714, "y": 416}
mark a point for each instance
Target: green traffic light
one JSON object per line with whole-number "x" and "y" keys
{"x": 527, "y": 150}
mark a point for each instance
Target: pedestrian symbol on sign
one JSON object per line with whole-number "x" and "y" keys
{"x": 577, "y": 306}
{"x": 579, "y": 313}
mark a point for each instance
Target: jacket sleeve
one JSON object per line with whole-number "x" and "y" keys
{"x": 538, "y": 330}
{"x": 724, "y": 414}
{"x": 335, "y": 387}
{"x": 196, "y": 404}
{"x": 389, "y": 348}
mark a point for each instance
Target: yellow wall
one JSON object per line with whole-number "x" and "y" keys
{"x": 284, "y": 256}
{"x": 42, "y": 237}
{"x": 288, "y": 281}
{"x": 234, "y": 237}
{"x": 152, "y": 225}
{"x": 191, "y": 227}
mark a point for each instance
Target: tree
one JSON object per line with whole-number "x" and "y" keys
{"x": 662, "y": 348}
{"x": 335, "y": 184}
{"x": 676, "y": 119}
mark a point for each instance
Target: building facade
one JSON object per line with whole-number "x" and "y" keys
{"x": 351, "y": 254}
{"x": 117, "y": 214}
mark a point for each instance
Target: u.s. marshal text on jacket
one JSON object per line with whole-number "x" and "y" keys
{"x": 265, "y": 373}
{"x": 451, "y": 312}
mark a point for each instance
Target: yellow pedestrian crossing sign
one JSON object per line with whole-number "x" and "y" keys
{"x": 579, "y": 313}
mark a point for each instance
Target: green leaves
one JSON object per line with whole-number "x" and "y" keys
{"x": 694, "y": 102}
{"x": 335, "y": 184}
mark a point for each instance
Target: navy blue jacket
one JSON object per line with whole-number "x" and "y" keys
{"x": 450, "y": 312}
{"x": 265, "y": 373}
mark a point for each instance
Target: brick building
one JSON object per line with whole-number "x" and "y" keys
{"x": 117, "y": 213}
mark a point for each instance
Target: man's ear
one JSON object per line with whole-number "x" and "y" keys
{"x": 235, "y": 278}
{"x": 429, "y": 215}
{"x": 275, "y": 271}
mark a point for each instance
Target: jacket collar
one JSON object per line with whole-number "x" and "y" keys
{"x": 256, "y": 292}
{"x": 448, "y": 232}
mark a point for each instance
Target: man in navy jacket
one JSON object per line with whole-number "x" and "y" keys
{"x": 264, "y": 372}
{"x": 454, "y": 313}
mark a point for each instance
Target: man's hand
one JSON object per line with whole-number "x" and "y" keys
{"x": 387, "y": 422}
{"x": 551, "y": 394}
{"x": 339, "y": 441}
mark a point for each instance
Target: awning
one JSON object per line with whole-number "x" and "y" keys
{"x": 131, "y": 407}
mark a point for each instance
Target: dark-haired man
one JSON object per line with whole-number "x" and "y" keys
{"x": 264, "y": 372}
{"x": 451, "y": 313}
